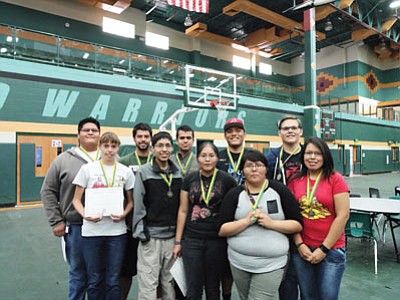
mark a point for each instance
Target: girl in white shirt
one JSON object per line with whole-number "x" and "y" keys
{"x": 104, "y": 233}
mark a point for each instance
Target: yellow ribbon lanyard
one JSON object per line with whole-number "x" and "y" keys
{"x": 105, "y": 174}
{"x": 210, "y": 188}
{"x": 89, "y": 156}
{"x": 311, "y": 196}
{"x": 138, "y": 159}
{"x": 168, "y": 181}
{"x": 184, "y": 168}
{"x": 254, "y": 204}
{"x": 235, "y": 167}
{"x": 295, "y": 151}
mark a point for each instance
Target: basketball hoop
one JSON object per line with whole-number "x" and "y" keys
{"x": 220, "y": 106}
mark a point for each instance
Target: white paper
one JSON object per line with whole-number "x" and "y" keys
{"x": 63, "y": 249}
{"x": 104, "y": 201}
{"x": 178, "y": 272}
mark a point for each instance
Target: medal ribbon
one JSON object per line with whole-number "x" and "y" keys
{"x": 235, "y": 166}
{"x": 254, "y": 205}
{"x": 184, "y": 168}
{"x": 311, "y": 196}
{"x": 168, "y": 181}
{"x": 138, "y": 159}
{"x": 89, "y": 156}
{"x": 203, "y": 192}
{"x": 295, "y": 151}
{"x": 105, "y": 174}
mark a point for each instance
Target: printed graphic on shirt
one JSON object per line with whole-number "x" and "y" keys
{"x": 237, "y": 175}
{"x": 316, "y": 211}
{"x": 100, "y": 182}
{"x": 291, "y": 169}
{"x": 200, "y": 208}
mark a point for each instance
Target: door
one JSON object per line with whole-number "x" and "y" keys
{"x": 34, "y": 157}
{"x": 356, "y": 155}
{"x": 260, "y": 146}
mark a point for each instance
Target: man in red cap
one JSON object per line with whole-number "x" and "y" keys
{"x": 230, "y": 158}
{"x": 229, "y": 161}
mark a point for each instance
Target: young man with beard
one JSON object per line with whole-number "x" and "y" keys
{"x": 229, "y": 161}
{"x": 57, "y": 194}
{"x": 184, "y": 158}
{"x": 142, "y": 134}
{"x": 283, "y": 164}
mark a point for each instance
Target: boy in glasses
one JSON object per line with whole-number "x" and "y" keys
{"x": 156, "y": 198}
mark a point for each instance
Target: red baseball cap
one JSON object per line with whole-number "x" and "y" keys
{"x": 234, "y": 122}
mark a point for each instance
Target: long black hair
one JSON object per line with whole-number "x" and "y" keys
{"x": 328, "y": 167}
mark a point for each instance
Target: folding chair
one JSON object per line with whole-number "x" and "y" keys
{"x": 359, "y": 226}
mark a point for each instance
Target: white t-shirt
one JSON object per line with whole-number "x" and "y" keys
{"x": 91, "y": 176}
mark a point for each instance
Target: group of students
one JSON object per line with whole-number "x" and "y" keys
{"x": 266, "y": 223}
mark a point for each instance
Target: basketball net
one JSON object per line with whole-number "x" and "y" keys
{"x": 220, "y": 106}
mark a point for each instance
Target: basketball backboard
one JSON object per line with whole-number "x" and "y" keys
{"x": 207, "y": 88}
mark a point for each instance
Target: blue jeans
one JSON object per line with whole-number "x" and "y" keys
{"x": 104, "y": 256}
{"x": 204, "y": 261}
{"x": 77, "y": 269}
{"x": 321, "y": 281}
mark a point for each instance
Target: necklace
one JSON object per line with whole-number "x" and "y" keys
{"x": 311, "y": 195}
{"x": 105, "y": 174}
{"x": 168, "y": 181}
{"x": 210, "y": 188}
{"x": 235, "y": 166}
{"x": 138, "y": 159}
{"x": 88, "y": 154}
{"x": 254, "y": 203}
{"x": 184, "y": 168}
{"x": 282, "y": 164}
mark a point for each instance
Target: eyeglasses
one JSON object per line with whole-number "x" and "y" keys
{"x": 257, "y": 166}
{"x": 313, "y": 153}
{"x": 94, "y": 130}
{"x": 161, "y": 146}
{"x": 287, "y": 128}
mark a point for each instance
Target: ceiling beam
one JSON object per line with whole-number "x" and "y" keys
{"x": 388, "y": 24}
{"x": 266, "y": 37}
{"x": 323, "y": 11}
{"x": 199, "y": 30}
{"x": 265, "y": 14}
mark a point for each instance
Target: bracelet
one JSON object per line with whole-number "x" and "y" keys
{"x": 298, "y": 246}
{"x": 324, "y": 249}
{"x": 178, "y": 243}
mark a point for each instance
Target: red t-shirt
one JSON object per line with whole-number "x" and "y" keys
{"x": 319, "y": 216}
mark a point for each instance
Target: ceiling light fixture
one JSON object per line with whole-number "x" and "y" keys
{"x": 188, "y": 21}
{"x": 328, "y": 25}
{"x": 395, "y": 4}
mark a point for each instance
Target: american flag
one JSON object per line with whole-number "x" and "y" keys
{"x": 202, "y": 6}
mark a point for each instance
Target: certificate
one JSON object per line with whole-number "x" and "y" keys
{"x": 104, "y": 201}
{"x": 177, "y": 271}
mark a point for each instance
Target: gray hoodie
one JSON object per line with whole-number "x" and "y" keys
{"x": 58, "y": 191}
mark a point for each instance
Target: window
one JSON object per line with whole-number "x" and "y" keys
{"x": 241, "y": 62}
{"x": 265, "y": 69}
{"x": 157, "y": 40}
{"x": 118, "y": 27}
